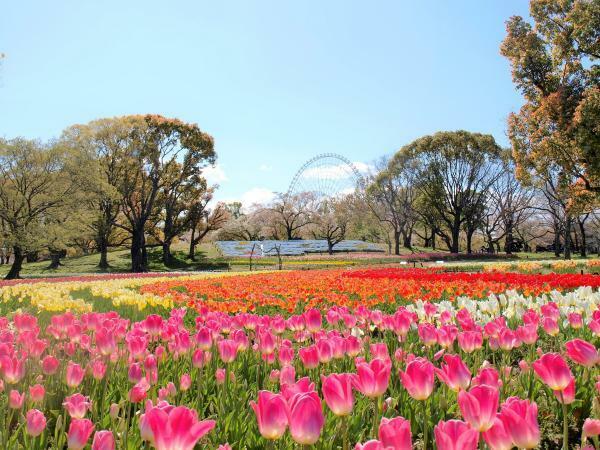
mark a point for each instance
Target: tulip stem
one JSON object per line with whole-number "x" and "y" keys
{"x": 565, "y": 423}
{"x": 425, "y": 424}
{"x": 377, "y": 406}
{"x": 345, "y": 445}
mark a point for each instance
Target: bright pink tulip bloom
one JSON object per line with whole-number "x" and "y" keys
{"x": 287, "y": 375}
{"x": 479, "y": 406}
{"x": 489, "y": 376}
{"x": 324, "y": 350}
{"x": 454, "y": 373}
{"x": 303, "y": 385}
{"x": 271, "y": 414}
{"x": 15, "y": 399}
{"x": 227, "y": 350}
{"x": 427, "y": 334}
{"x": 305, "y": 417}
{"x": 418, "y": 379}
{"x": 313, "y": 320}
{"x": 79, "y": 433}
{"x": 77, "y": 405}
{"x": 37, "y": 393}
{"x": 309, "y": 356}
{"x": 591, "y": 427}
{"x": 575, "y": 320}
{"x": 50, "y": 365}
{"x": 528, "y": 334}
{"x": 582, "y": 352}
{"x": 36, "y": 422}
{"x": 469, "y": 341}
{"x": 13, "y": 370}
{"x": 520, "y": 421}
{"x": 103, "y": 440}
{"x": 550, "y": 326}
{"x": 177, "y": 428}
{"x": 566, "y": 396}
{"x": 498, "y": 437}
{"x": 220, "y": 376}
{"x": 337, "y": 392}
{"x": 455, "y": 435}
{"x": 372, "y": 378}
{"x": 395, "y": 433}
{"x": 554, "y": 371}
{"x": 74, "y": 374}
{"x": 185, "y": 382}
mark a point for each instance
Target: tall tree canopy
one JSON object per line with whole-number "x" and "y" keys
{"x": 555, "y": 65}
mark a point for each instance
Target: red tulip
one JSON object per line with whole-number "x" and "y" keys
{"x": 395, "y": 433}
{"x": 36, "y": 422}
{"x": 582, "y": 352}
{"x": 418, "y": 379}
{"x": 479, "y": 406}
{"x": 337, "y": 392}
{"x": 454, "y": 373}
{"x": 554, "y": 371}
{"x": 271, "y": 414}
{"x": 455, "y": 435}
{"x": 520, "y": 421}
{"x": 103, "y": 440}
{"x": 305, "y": 417}
{"x": 79, "y": 433}
{"x": 372, "y": 378}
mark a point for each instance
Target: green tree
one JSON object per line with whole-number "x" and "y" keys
{"x": 453, "y": 172}
{"x": 554, "y": 65}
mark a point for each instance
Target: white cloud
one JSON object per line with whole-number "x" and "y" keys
{"x": 257, "y": 195}
{"x": 265, "y": 168}
{"x": 214, "y": 174}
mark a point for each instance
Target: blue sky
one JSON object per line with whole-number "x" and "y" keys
{"x": 275, "y": 82}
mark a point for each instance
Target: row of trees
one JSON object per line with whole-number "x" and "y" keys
{"x": 133, "y": 180}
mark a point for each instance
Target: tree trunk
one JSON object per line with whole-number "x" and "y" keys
{"x": 55, "y": 259}
{"x": 567, "y": 237}
{"x": 15, "y": 269}
{"x": 509, "y": 241}
{"x": 470, "y": 241}
{"x": 137, "y": 257}
{"x": 31, "y": 257}
{"x": 433, "y": 239}
{"x": 407, "y": 240}
{"x": 556, "y": 241}
{"x": 396, "y": 242}
{"x": 329, "y": 247}
{"x": 583, "y": 251}
{"x": 103, "y": 247}
{"x": 192, "y": 251}
{"x": 167, "y": 257}
{"x": 454, "y": 244}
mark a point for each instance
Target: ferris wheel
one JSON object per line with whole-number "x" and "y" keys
{"x": 326, "y": 175}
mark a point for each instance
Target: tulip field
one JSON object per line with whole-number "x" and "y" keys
{"x": 373, "y": 359}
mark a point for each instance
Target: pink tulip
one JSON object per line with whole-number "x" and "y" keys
{"x": 74, "y": 374}
{"x": 373, "y": 444}
{"x": 50, "y": 365}
{"x": 575, "y": 320}
{"x": 553, "y": 370}
{"x": 15, "y": 399}
{"x": 103, "y": 440}
{"x": 303, "y": 385}
{"x": 418, "y": 379}
{"x": 591, "y": 427}
{"x": 227, "y": 350}
{"x": 395, "y": 433}
{"x": 177, "y": 428}
{"x": 77, "y": 405}
{"x": 528, "y": 334}
{"x": 520, "y": 421}
{"x": 185, "y": 382}
{"x": 13, "y": 370}
{"x": 454, "y": 373}
{"x": 337, "y": 392}
{"x": 455, "y": 435}
{"x": 498, "y": 437}
{"x": 36, "y": 422}
{"x": 469, "y": 341}
{"x": 550, "y": 326}
{"x": 479, "y": 406}
{"x": 567, "y": 395}
{"x": 287, "y": 375}
{"x": 489, "y": 376}
{"x": 582, "y": 352}
{"x": 313, "y": 320}
{"x": 305, "y": 418}
{"x": 324, "y": 350}
{"x": 309, "y": 356}
{"x": 427, "y": 334}
{"x": 37, "y": 393}
{"x": 79, "y": 433}
{"x": 220, "y": 376}
{"x": 372, "y": 378}
{"x": 134, "y": 373}
{"x": 271, "y": 414}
